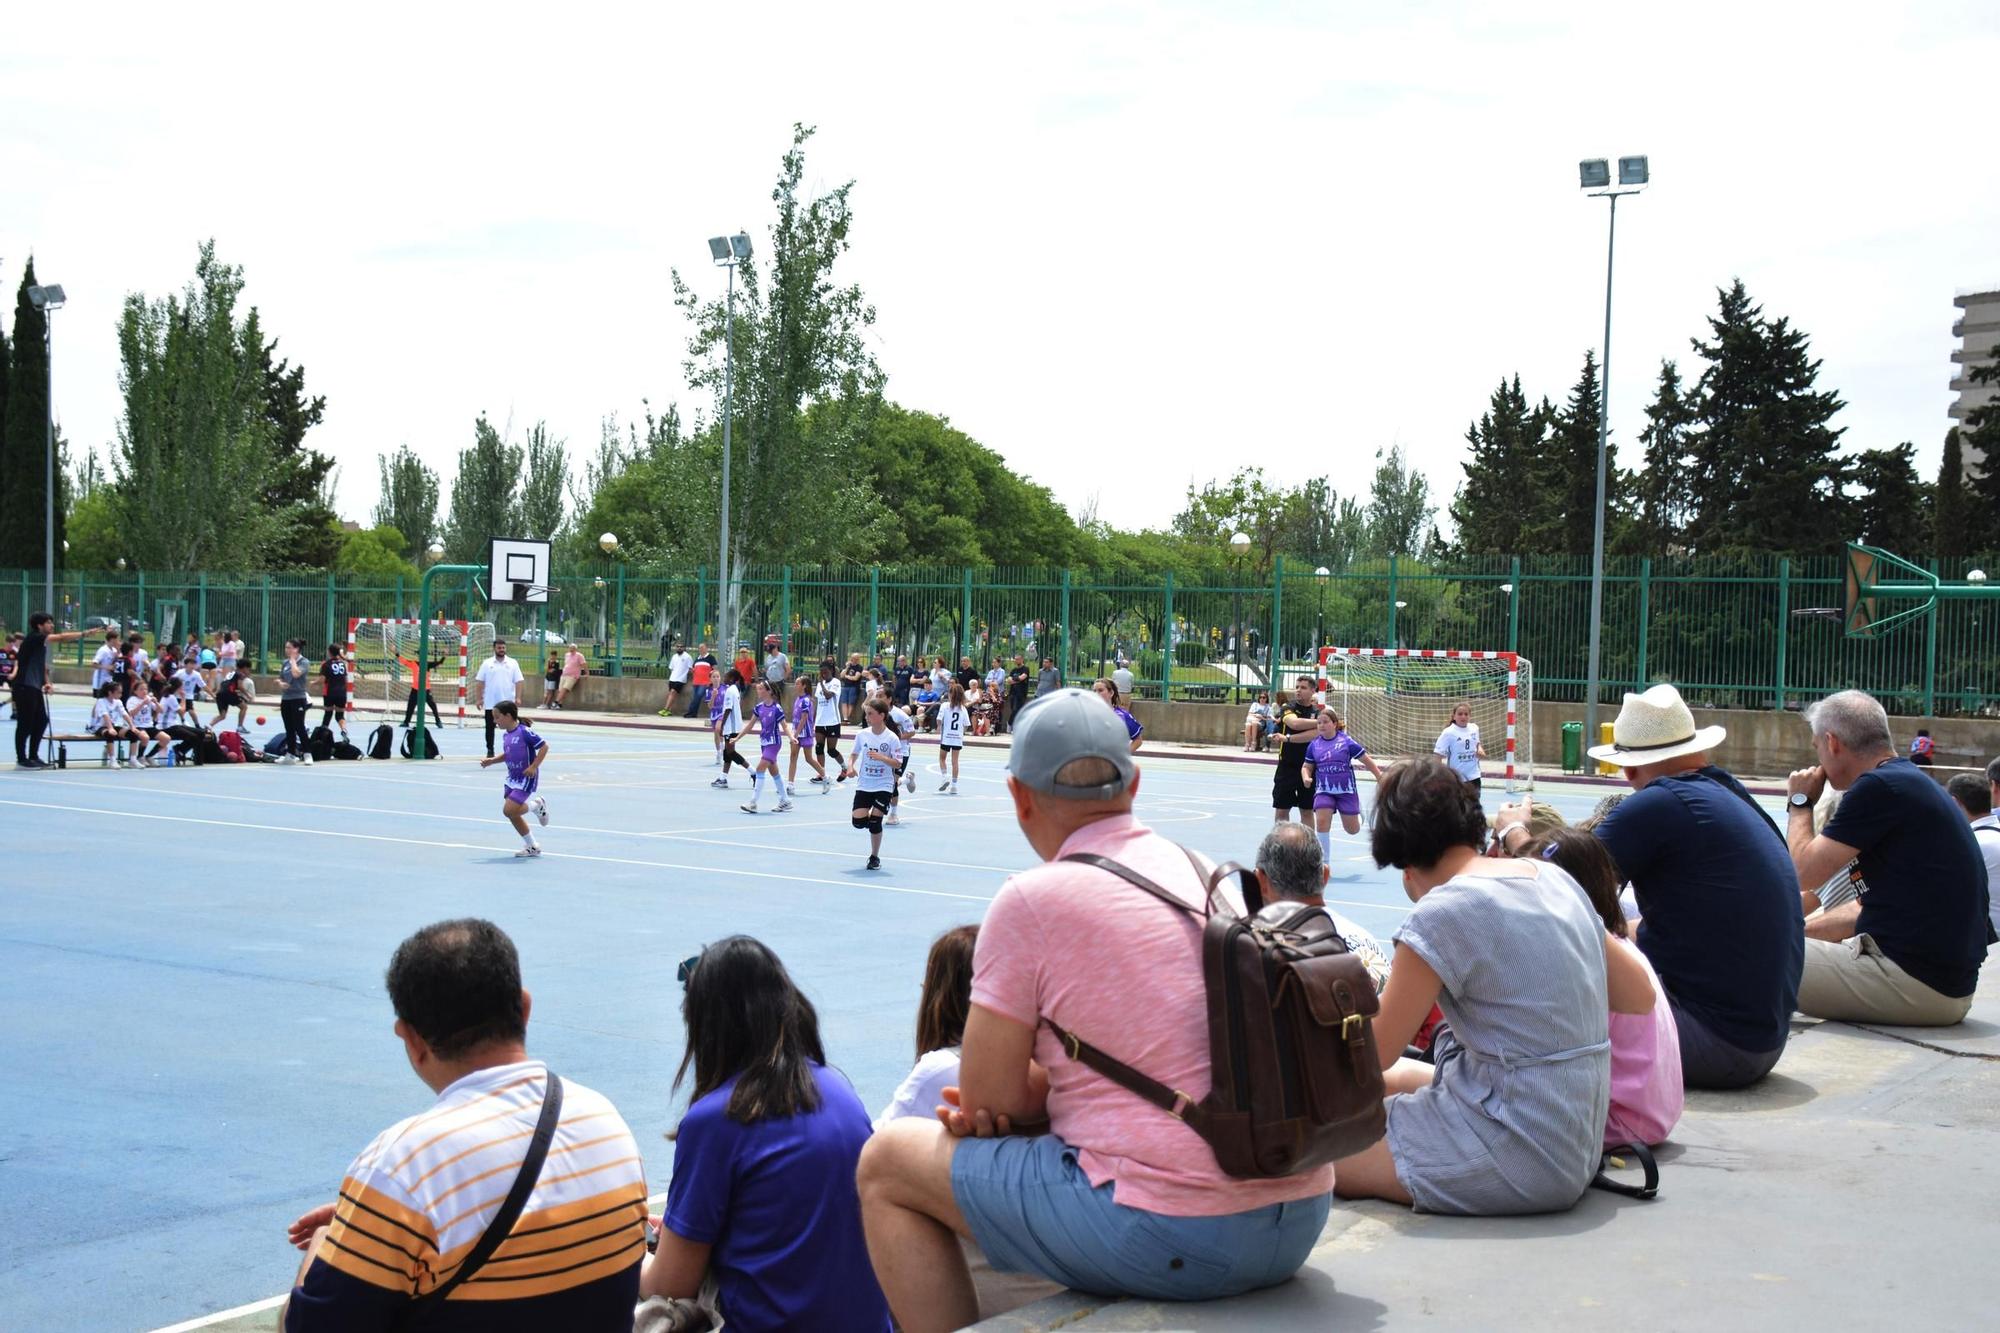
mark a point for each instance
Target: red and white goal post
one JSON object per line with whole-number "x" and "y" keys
{"x": 384, "y": 649}
{"x": 1397, "y": 701}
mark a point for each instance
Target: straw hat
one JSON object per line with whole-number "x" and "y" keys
{"x": 1654, "y": 726}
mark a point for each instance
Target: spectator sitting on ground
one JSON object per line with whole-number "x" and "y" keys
{"x": 423, "y": 1193}
{"x": 1922, "y": 748}
{"x": 927, "y": 706}
{"x": 1117, "y": 1190}
{"x": 1974, "y": 794}
{"x": 1292, "y": 873}
{"x": 763, "y": 1194}
{"x": 1646, "y": 1093}
{"x": 1512, "y": 1116}
{"x": 1909, "y": 950}
{"x": 1718, "y": 903}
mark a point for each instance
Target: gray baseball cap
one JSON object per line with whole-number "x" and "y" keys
{"x": 1067, "y": 725}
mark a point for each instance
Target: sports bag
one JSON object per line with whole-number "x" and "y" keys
{"x": 1294, "y": 1079}
{"x": 320, "y": 744}
{"x": 278, "y": 747}
{"x": 381, "y": 741}
{"x": 232, "y": 745}
{"x": 346, "y": 750}
{"x": 430, "y": 743}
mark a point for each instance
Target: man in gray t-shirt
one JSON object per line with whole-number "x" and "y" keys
{"x": 1050, "y": 680}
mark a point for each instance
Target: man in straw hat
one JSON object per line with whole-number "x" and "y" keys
{"x": 1718, "y": 901}
{"x": 1909, "y": 949}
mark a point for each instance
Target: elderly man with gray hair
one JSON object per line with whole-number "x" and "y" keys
{"x": 1291, "y": 874}
{"x": 1908, "y": 951}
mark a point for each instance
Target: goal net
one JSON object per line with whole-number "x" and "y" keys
{"x": 382, "y": 660}
{"x": 1397, "y": 701}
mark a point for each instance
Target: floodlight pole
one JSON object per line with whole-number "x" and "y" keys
{"x": 723, "y": 603}
{"x": 1603, "y": 437}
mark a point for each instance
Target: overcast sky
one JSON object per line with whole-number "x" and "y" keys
{"x": 1125, "y": 245}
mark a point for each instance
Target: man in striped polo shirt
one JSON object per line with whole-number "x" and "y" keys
{"x": 419, "y": 1198}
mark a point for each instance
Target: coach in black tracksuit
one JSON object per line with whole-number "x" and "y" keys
{"x": 30, "y": 679}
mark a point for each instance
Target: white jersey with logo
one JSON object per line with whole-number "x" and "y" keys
{"x": 732, "y": 711}
{"x": 100, "y": 666}
{"x": 169, "y": 712}
{"x": 826, "y": 703}
{"x": 952, "y": 722}
{"x": 876, "y": 756}
{"x": 899, "y": 722}
{"x": 108, "y": 713}
{"x": 1459, "y": 747}
{"x": 142, "y": 712}
{"x": 190, "y": 680}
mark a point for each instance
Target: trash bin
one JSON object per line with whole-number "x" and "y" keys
{"x": 1572, "y": 747}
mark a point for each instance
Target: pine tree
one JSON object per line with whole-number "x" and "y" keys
{"x": 484, "y": 495}
{"x": 1892, "y": 510}
{"x": 6, "y": 370}
{"x": 543, "y": 485}
{"x": 1399, "y": 505}
{"x": 1982, "y": 437}
{"x": 1662, "y": 489}
{"x": 24, "y": 437}
{"x": 1766, "y": 474}
{"x": 409, "y": 501}
{"x": 297, "y": 492}
{"x": 1561, "y": 515}
{"x": 1504, "y": 450}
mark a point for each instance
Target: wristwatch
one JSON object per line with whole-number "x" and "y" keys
{"x": 1799, "y": 800}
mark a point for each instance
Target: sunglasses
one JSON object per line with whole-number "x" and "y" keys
{"x": 686, "y": 969}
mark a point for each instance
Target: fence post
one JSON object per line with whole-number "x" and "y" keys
{"x": 140, "y": 613}
{"x": 201, "y": 604}
{"x": 1392, "y": 604}
{"x": 785, "y": 612}
{"x": 23, "y": 621}
{"x": 700, "y": 602}
{"x": 1930, "y": 652}
{"x": 965, "y": 618}
{"x": 618, "y": 633}
{"x": 1167, "y": 645}
{"x": 1514, "y": 609}
{"x": 82, "y": 613}
{"x": 1272, "y": 674}
{"x": 1784, "y": 622}
{"x": 399, "y": 596}
{"x": 1062, "y": 662}
{"x": 264, "y": 626}
{"x": 874, "y": 608}
{"x": 332, "y": 597}
{"x": 1645, "y": 616}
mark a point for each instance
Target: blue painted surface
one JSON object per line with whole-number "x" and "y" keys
{"x": 192, "y": 1016}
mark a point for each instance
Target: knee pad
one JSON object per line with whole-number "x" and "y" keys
{"x": 875, "y": 824}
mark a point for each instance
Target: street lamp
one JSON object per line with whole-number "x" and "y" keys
{"x": 1238, "y": 544}
{"x": 727, "y": 252}
{"x": 1594, "y": 177}
{"x": 435, "y": 551}
{"x": 48, "y": 298}
{"x": 1319, "y": 622}
{"x": 608, "y": 543}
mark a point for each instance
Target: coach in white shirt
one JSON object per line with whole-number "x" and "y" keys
{"x": 499, "y": 682}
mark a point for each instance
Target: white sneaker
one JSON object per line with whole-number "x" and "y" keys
{"x": 749, "y": 808}
{"x": 910, "y": 781}
{"x": 530, "y": 850}
{"x": 954, "y": 789}
{"x": 784, "y": 806}
{"x": 945, "y": 785}
{"x": 541, "y": 809}
{"x": 133, "y": 763}
{"x": 892, "y": 821}
{"x": 309, "y": 760}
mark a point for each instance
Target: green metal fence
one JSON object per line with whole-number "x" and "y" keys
{"x": 1727, "y": 631}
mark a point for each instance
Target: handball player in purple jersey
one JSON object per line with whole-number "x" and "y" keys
{"x": 1329, "y": 772}
{"x": 768, "y": 717}
{"x": 522, "y": 751}
{"x": 803, "y": 732}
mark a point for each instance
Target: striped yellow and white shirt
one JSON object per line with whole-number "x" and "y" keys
{"x": 418, "y": 1198}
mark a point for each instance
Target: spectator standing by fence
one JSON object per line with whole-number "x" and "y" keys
{"x": 678, "y": 667}
{"x": 701, "y": 681}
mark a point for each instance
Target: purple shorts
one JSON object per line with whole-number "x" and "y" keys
{"x": 771, "y": 751}
{"x": 520, "y": 792}
{"x": 1346, "y": 802}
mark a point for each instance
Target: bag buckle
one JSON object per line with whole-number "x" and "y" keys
{"x": 1181, "y": 1103}
{"x": 1070, "y": 1045}
{"x": 1349, "y": 1026}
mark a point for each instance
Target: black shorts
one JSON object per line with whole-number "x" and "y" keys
{"x": 228, "y": 700}
{"x": 949, "y": 749}
{"x": 878, "y": 801}
{"x": 1289, "y": 790}
{"x": 831, "y": 733}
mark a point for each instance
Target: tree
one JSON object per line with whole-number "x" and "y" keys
{"x": 1766, "y": 474}
{"x": 1563, "y": 500}
{"x": 484, "y": 496}
{"x": 93, "y": 530}
{"x": 800, "y": 342}
{"x": 1981, "y": 436}
{"x": 24, "y": 440}
{"x": 1952, "y": 521}
{"x": 376, "y": 555}
{"x": 6, "y": 457}
{"x": 299, "y": 491}
{"x": 543, "y": 485}
{"x": 956, "y": 502}
{"x": 1399, "y": 505}
{"x": 1501, "y": 471}
{"x": 194, "y": 452}
{"x": 409, "y": 501}
{"x": 1893, "y": 509}
{"x": 1662, "y": 489}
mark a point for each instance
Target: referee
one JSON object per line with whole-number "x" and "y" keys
{"x": 30, "y": 683}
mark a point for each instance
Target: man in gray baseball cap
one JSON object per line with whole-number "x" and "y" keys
{"x": 1076, "y": 945}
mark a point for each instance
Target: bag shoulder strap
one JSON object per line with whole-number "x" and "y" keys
{"x": 1139, "y": 881}
{"x": 1614, "y": 1157}
{"x": 517, "y": 1197}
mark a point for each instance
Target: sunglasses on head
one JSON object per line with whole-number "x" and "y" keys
{"x": 686, "y": 969}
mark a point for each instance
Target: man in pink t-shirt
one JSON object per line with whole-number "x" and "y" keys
{"x": 1118, "y": 1197}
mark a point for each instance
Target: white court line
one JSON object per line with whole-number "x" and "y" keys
{"x": 490, "y": 849}
{"x": 235, "y": 1312}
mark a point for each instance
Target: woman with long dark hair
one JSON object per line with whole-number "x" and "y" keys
{"x": 293, "y": 702}
{"x": 763, "y": 1195}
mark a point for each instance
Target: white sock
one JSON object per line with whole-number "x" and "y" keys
{"x": 1326, "y": 845}
{"x": 756, "y": 786}
{"x": 779, "y": 783}
{"x": 527, "y": 840}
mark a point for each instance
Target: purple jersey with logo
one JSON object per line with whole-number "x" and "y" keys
{"x": 520, "y": 747}
{"x": 802, "y": 715}
{"x": 717, "y": 697}
{"x": 1333, "y": 763}
{"x": 770, "y": 721}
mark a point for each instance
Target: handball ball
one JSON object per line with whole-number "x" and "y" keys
{"x": 260, "y": 721}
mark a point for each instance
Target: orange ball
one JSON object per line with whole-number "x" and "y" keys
{"x": 260, "y": 721}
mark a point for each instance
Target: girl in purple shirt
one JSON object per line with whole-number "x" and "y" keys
{"x": 768, "y": 716}
{"x": 802, "y": 739}
{"x": 522, "y": 751}
{"x": 1329, "y": 771}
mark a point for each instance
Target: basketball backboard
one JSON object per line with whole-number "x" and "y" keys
{"x": 520, "y": 570}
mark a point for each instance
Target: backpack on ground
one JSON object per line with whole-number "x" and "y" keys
{"x": 346, "y": 750}
{"x": 381, "y": 741}
{"x": 1294, "y": 1079}
{"x": 277, "y": 747}
{"x": 207, "y": 750}
{"x": 320, "y": 744}
{"x": 430, "y": 743}
{"x": 231, "y": 745}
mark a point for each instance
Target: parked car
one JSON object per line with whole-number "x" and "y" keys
{"x": 541, "y": 636}
{"x": 99, "y": 624}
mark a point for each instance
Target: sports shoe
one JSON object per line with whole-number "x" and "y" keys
{"x": 874, "y": 863}
{"x": 945, "y": 785}
{"x": 309, "y": 761}
{"x": 894, "y": 820}
{"x": 910, "y": 781}
{"x": 954, "y": 789}
{"x": 842, "y": 778}
{"x": 287, "y": 759}
{"x": 722, "y": 782}
{"x": 530, "y": 850}
{"x": 783, "y": 806}
{"x": 541, "y": 809}
{"x": 748, "y": 808}
{"x": 104, "y": 762}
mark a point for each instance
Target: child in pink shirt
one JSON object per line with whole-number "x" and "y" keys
{"x": 1646, "y": 1091}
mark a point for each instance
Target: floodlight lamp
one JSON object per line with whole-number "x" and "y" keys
{"x": 740, "y": 242}
{"x": 718, "y": 249}
{"x": 1593, "y": 173}
{"x": 47, "y": 297}
{"x": 1632, "y": 171}
{"x": 1507, "y": 588}
{"x": 608, "y": 543}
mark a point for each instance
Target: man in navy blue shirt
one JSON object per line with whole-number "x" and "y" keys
{"x": 1908, "y": 951}
{"x": 1719, "y": 910}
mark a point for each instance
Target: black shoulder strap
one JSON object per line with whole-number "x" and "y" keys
{"x": 517, "y": 1197}
{"x": 1615, "y": 1157}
